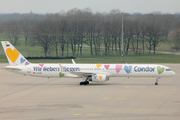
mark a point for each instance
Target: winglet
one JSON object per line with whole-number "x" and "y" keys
{"x": 61, "y": 68}
{"x": 73, "y": 61}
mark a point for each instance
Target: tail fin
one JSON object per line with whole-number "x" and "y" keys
{"x": 13, "y": 55}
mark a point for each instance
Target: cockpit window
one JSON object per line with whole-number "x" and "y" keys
{"x": 168, "y": 69}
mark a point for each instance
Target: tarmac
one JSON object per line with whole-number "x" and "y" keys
{"x": 121, "y": 98}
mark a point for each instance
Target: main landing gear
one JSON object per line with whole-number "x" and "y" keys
{"x": 156, "y": 83}
{"x": 85, "y": 82}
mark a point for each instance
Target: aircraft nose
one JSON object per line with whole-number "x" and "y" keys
{"x": 173, "y": 73}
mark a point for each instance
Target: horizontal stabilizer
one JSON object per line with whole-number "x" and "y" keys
{"x": 12, "y": 68}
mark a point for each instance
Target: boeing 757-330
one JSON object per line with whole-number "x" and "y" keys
{"x": 88, "y": 72}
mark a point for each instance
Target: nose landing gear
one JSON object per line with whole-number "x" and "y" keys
{"x": 156, "y": 83}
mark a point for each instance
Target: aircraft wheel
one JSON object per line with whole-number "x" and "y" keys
{"x": 81, "y": 83}
{"x": 156, "y": 83}
{"x": 87, "y": 82}
{"x": 157, "y": 79}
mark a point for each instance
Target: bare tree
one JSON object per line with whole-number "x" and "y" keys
{"x": 72, "y": 18}
{"x": 168, "y": 21}
{"x": 13, "y": 30}
{"x": 43, "y": 33}
{"x": 156, "y": 30}
{"x": 107, "y": 35}
{"x": 97, "y": 36}
{"x": 116, "y": 20}
{"x": 1, "y": 29}
{"x": 26, "y": 27}
{"x": 128, "y": 34}
{"x": 61, "y": 24}
{"x": 77, "y": 27}
{"x": 174, "y": 37}
{"x": 143, "y": 29}
{"x": 91, "y": 22}
{"x": 137, "y": 31}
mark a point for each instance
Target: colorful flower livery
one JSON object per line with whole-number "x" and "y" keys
{"x": 88, "y": 72}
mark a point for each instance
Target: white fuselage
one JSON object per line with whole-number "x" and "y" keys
{"x": 110, "y": 70}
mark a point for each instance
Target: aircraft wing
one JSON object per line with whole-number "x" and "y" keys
{"x": 79, "y": 73}
{"x": 83, "y": 74}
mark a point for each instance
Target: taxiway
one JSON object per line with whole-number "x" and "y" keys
{"x": 34, "y": 98}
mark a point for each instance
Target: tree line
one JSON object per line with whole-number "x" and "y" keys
{"x": 76, "y": 28}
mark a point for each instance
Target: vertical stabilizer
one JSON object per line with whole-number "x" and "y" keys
{"x": 13, "y": 55}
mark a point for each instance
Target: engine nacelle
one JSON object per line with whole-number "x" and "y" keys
{"x": 99, "y": 78}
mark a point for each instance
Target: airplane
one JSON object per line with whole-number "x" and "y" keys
{"x": 88, "y": 72}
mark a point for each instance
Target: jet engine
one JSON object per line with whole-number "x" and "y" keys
{"x": 99, "y": 78}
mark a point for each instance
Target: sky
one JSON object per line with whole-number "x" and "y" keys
{"x": 55, "y": 6}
